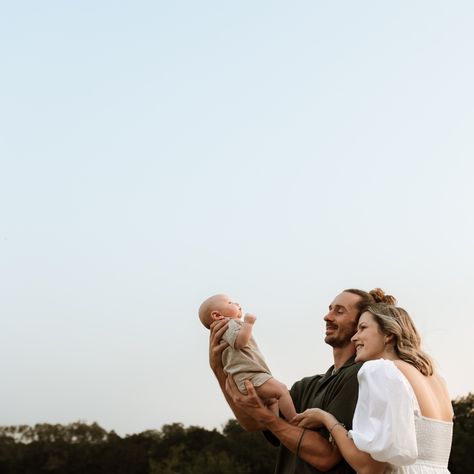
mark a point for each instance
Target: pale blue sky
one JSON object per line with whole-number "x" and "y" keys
{"x": 155, "y": 153}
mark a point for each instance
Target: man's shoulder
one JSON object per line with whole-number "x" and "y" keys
{"x": 302, "y": 384}
{"x": 310, "y": 379}
{"x": 350, "y": 368}
{"x": 348, "y": 371}
{"x": 347, "y": 374}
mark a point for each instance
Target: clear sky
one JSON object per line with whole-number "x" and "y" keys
{"x": 155, "y": 153}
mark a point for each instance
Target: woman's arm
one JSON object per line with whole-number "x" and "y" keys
{"x": 360, "y": 461}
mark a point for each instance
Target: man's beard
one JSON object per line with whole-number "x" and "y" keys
{"x": 340, "y": 339}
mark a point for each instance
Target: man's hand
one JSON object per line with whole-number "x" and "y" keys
{"x": 251, "y": 404}
{"x": 216, "y": 344}
{"x": 250, "y": 318}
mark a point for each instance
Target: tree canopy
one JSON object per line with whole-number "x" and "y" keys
{"x": 81, "y": 447}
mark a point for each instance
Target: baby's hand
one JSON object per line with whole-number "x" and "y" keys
{"x": 250, "y": 318}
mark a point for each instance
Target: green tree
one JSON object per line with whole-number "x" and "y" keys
{"x": 251, "y": 449}
{"x": 462, "y": 453}
{"x": 80, "y": 448}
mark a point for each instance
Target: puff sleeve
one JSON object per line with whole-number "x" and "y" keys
{"x": 384, "y": 418}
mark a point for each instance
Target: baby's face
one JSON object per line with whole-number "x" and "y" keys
{"x": 228, "y": 308}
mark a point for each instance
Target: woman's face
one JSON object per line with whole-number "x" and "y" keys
{"x": 369, "y": 340}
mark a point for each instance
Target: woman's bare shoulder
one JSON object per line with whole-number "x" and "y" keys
{"x": 430, "y": 391}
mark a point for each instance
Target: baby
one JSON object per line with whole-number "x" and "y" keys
{"x": 242, "y": 358}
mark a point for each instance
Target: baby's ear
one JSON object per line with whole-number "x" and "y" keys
{"x": 216, "y": 316}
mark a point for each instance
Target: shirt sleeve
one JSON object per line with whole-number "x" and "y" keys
{"x": 384, "y": 419}
{"x": 232, "y": 332}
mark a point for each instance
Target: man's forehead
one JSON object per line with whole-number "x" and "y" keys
{"x": 346, "y": 299}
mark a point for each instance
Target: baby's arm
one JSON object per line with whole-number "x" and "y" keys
{"x": 245, "y": 331}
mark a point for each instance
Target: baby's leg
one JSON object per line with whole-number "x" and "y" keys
{"x": 272, "y": 388}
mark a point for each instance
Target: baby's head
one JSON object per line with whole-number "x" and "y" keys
{"x": 218, "y": 307}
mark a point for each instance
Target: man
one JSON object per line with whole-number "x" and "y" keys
{"x": 304, "y": 451}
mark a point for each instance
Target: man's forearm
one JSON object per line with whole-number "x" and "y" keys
{"x": 311, "y": 446}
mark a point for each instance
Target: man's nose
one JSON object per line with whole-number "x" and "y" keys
{"x": 328, "y": 317}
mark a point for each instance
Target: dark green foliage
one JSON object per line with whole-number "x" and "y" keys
{"x": 251, "y": 448}
{"x": 81, "y": 448}
{"x": 462, "y": 451}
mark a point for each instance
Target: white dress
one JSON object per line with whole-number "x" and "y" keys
{"x": 389, "y": 426}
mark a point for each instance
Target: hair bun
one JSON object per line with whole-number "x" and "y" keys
{"x": 379, "y": 296}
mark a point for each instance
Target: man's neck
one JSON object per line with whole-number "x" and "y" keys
{"x": 342, "y": 355}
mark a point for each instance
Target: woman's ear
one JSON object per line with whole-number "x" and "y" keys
{"x": 389, "y": 339}
{"x": 216, "y": 316}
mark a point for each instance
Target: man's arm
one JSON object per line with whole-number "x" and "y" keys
{"x": 216, "y": 346}
{"x": 306, "y": 444}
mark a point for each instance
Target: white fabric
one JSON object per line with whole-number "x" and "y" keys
{"x": 388, "y": 424}
{"x": 384, "y": 421}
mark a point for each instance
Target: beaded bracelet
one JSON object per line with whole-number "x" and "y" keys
{"x": 331, "y": 438}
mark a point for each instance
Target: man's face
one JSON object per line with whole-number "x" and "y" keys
{"x": 341, "y": 320}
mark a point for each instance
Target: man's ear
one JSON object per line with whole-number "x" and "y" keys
{"x": 216, "y": 316}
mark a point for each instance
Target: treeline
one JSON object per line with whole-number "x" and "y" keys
{"x": 81, "y": 448}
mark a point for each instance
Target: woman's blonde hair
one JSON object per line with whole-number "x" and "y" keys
{"x": 395, "y": 321}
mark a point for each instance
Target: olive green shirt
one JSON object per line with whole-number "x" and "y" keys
{"x": 335, "y": 393}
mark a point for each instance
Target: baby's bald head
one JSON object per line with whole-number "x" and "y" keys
{"x": 218, "y": 307}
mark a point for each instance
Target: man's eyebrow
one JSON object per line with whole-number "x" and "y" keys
{"x": 337, "y": 306}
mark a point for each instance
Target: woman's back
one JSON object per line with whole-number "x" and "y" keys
{"x": 430, "y": 392}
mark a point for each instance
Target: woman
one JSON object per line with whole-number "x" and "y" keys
{"x": 403, "y": 419}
